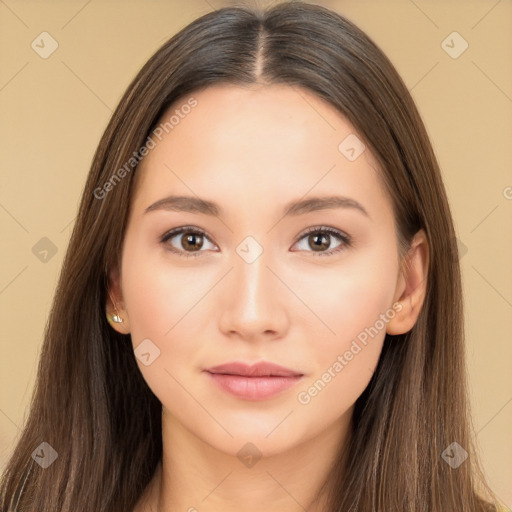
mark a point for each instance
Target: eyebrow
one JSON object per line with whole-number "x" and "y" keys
{"x": 193, "y": 204}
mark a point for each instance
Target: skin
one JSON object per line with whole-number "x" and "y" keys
{"x": 252, "y": 150}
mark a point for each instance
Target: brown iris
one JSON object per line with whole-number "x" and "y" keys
{"x": 313, "y": 241}
{"x": 190, "y": 241}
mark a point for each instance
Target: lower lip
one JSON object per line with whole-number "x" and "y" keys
{"x": 254, "y": 388}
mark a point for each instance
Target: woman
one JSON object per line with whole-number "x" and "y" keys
{"x": 260, "y": 307}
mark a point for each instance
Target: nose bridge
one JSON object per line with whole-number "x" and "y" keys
{"x": 254, "y": 304}
{"x": 251, "y": 274}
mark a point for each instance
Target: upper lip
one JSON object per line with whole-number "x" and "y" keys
{"x": 261, "y": 369}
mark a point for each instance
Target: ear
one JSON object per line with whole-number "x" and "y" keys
{"x": 411, "y": 286}
{"x": 115, "y": 304}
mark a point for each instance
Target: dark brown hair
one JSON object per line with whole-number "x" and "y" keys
{"x": 90, "y": 402}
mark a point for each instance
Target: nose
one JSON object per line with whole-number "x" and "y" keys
{"x": 253, "y": 301}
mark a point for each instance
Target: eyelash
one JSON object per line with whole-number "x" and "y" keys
{"x": 347, "y": 241}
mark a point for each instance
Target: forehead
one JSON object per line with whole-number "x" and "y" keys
{"x": 253, "y": 118}
{"x": 240, "y": 142}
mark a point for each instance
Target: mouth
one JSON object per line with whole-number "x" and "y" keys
{"x": 261, "y": 381}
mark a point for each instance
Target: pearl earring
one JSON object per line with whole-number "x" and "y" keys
{"x": 115, "y": 318}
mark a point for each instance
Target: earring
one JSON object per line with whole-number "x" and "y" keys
{"x": 115, "y": 318}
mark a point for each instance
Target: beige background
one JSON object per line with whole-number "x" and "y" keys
{"x": 54, "y": 110}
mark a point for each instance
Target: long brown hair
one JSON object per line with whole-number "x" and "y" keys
{"x": 90, "y": 402}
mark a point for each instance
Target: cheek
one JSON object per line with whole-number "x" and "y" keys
{"x": 151, "y": 302}
{"x": 158, "y": 302}
{"x": 355, "y": 305}
{"x": 349, "y": 298}
{"x": 167, "y": 303}
{"x": 158, "y": 289}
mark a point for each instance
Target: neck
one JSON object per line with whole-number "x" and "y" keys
{"x": 194, "y": 476}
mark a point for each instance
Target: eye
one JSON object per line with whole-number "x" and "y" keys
{"x": 190, "y": 245}
{"x": 320, "y": 239}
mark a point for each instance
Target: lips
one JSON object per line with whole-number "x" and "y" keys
{"x": 261, "y": 369}
{"x": 260, "y": 381}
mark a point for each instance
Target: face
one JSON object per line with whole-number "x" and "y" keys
{"x": 310, "y": 289}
